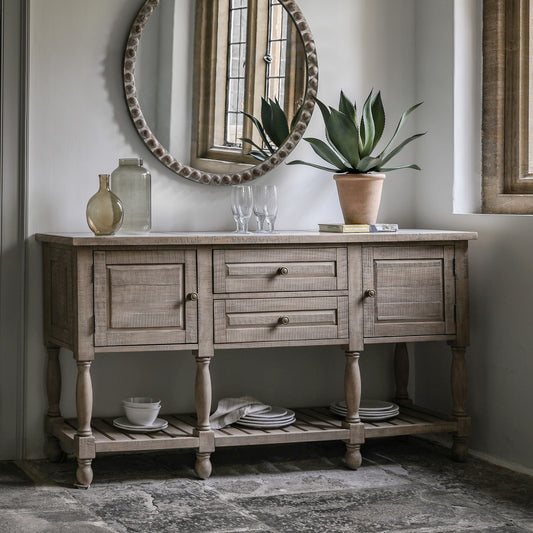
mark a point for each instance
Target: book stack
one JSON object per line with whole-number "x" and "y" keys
{"x": 357, "y": 228}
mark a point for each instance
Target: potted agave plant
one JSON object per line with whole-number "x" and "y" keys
{"x": 359, "y": 174}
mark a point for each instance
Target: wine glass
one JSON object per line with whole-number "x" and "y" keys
{"x": 270, "y": 207}
{"x": 241, "y": 206}
{"x": 260, "y": 206}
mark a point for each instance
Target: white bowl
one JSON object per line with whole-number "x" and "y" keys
{"x": 141, "y": 402}
{"x": 141, "y": 416}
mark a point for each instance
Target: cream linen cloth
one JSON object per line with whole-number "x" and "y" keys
{"x": 229, "y": 410}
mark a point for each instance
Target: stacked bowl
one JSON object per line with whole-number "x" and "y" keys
{"x": 141, "y": 415}
{"x": 141, "y": 411}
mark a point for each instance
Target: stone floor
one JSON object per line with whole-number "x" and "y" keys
{"x": 404, "y": 484}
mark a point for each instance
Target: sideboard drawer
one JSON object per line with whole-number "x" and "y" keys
{"x": 142, "y": 297}
{"x": 281, "y": 319}
{"x": 280, "y": 269}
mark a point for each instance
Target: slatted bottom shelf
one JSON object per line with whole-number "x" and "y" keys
{"x": 312, "y": 424}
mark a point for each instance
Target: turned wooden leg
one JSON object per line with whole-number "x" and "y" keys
{"x": 459, "y": 386}
{"x": 401, "y": 373}
{"x": 84, "y": 446}
{"x": 53, "y": 416}
{"x": 202, "y": 394}
{"x": 352, "y": 394}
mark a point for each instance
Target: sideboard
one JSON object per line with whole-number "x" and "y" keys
{"x": 213, "y": 291}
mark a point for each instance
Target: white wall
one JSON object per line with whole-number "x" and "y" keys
{"x": 79, "y": 127}
{"x": 500, "y": 360}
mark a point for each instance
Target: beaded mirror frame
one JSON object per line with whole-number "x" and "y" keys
{"x": 191, "y": 173}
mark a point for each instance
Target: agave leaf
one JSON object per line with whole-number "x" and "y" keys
{"x": 378, "y": 113}
{"x": 249, "y": 141}
{"x": 260, "y": 130}
{"x": 279, "y": 127}
{"x": 390, "y": 169}
{"x": 266, "y": 116}
{"x": 368, "y": 163}
{"x": 326, "y": 153}
{"x": 298, "y": 162}
{"x": 400, "y": 124}
{"x": 344, "y": 136}
{"x": 346, "y": 107}
{"x": 401, "y": 146}
{"x": 323, "y": 109}
{"x": 295, "y": 119}
{"x": 258, "y": 155}
{"x": 368, "y": 129}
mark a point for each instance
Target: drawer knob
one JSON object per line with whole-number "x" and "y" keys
{"x": 283, "y": 271}
{"x": 284, "y": 320}
{"x": 370, "y": 293}
{"x": 193, "y": 296}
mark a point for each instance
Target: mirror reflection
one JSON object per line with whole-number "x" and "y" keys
{"x": 219, "y": 82}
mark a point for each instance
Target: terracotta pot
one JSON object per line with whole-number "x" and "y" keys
{"x": 359, "y": 196}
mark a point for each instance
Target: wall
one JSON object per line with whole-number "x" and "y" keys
{"x": 79, "y": 127}
{"x": 500, "y": 359}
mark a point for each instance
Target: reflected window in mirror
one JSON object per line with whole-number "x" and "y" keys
{"x": 246, "y": 50}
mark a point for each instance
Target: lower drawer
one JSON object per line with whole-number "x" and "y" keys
{"x": 281, "y": 319}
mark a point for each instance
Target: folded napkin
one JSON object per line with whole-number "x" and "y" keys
{"x": 230, "y": 410}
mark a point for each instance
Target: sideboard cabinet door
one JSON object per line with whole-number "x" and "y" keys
{"x": 408, "y": 290}
{"x": 143, "y": 297}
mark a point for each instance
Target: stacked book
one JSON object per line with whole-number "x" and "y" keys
{"x": 357, "y": 228}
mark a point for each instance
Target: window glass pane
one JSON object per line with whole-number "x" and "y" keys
{"x": 277, "y": 49}
{"x": 235, "y": 71}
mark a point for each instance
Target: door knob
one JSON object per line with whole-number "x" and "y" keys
{"x": 193, "y": 296}
{"x": 370, "y": 293}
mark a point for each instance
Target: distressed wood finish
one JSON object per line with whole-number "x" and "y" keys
{"x": 207, "y": 292}
{"x": 144, "y": 298}
{"x": 313, "y": 424}
{"x": 352, "y": 395}
{"x": 408, "y": 290}
{"x": 302, "y": 269}
{"x": 53, "y": 391}
{"x": 401, "y": 373}
{"x": 284, "y": 319}
{"x": 84, "y": 440}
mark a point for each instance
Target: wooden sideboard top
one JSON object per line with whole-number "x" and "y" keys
{"x": 230, "y": 238}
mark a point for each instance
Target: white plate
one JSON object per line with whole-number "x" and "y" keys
{"x": 365, "y": 416}
{"x": 266, "y": 425}
{"x": 125, "y": 424}
{"x": 276, "y": 413}
{"x": 370, "y": 405}
{"x": 377, "y": 418}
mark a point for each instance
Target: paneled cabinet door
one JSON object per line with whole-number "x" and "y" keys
{"x": 145, "y": 297}
{"x": 408, "y": 291}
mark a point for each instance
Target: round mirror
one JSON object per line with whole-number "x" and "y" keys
{"x": 220, "y": 91}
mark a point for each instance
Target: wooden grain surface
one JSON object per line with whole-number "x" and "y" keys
{"x": 228, "y": 238}
{"x": 218, "y": 291}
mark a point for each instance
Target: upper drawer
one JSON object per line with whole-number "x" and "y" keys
{"x": 280, "y": 269}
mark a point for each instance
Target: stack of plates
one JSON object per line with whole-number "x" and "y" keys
{"x": 124, "y": 424}
{"x": 369, "y": 410}
{"x": 274, "y": 417}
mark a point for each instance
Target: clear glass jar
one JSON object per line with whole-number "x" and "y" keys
{"x": 132, "y": 183}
